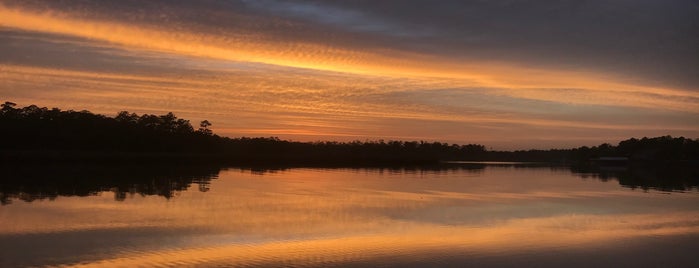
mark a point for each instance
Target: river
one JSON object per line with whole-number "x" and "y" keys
{"x": 467, "y": 214}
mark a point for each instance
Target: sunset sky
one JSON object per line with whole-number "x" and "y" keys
{"x": 506, "y": 74}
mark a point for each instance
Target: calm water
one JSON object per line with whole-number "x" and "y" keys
{"x": 479, "y": 215}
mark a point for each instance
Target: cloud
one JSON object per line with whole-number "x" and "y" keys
{"x": 646, "y": 42}
{"x": 328, "y": 15}
{"x": 310, "y": 70}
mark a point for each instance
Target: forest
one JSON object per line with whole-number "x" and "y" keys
{"x": 34, "y": 133}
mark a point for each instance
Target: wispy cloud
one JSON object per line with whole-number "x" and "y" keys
{"x": 311, "y": 70}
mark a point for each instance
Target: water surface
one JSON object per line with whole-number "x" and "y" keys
{"x": 468, "y": 214}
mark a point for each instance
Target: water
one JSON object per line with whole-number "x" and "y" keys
{"x": 459, "y": 215}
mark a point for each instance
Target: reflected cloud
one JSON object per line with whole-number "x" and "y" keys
{"x": 427, "y": 241}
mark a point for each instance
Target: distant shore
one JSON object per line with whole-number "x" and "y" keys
{"x": 40, "y": 134}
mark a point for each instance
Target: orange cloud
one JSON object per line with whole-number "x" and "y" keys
{"x": 514, "y": 80}
{"x": 252, "y": 83}
{"x": 289, "y": 105}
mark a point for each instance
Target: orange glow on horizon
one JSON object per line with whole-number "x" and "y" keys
{"x": 306, "y": 111}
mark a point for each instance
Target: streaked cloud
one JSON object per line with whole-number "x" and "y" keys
{"x": 323, "y": 70}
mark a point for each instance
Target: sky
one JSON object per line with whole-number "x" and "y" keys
{"x": 506, "y": 74}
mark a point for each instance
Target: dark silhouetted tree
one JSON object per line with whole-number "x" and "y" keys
{"x": 8, "y": 106}
{"x": 204, "y": 127}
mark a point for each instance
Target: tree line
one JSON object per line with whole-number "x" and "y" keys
{"x": 33, "y": 130}
{"x": 663, "y": 148}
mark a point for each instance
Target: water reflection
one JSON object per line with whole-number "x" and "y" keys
{"x": 34, "y": 182}
{"x": 662, "y": 177}
{"x": 38, "y": 182}
{"x": 455, "y": 215}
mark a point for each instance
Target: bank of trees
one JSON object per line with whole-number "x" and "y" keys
{"x": 34, "y": 129}
{"x": 40, "y": 129}
{"x": 664, "y": 148}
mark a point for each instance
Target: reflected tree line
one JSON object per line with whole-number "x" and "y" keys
{"x": 47, "y": 182}
{"x": 663, "y": 177}
{"x": 31, "y": 182}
